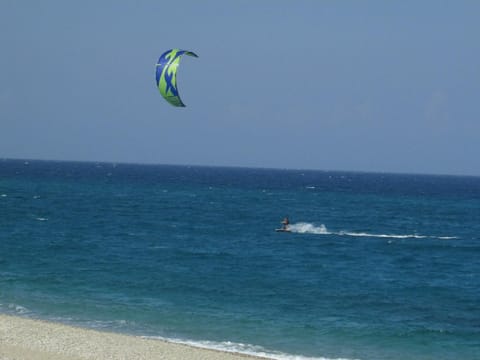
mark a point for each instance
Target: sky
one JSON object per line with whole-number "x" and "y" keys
{"x": 382, "y": 86}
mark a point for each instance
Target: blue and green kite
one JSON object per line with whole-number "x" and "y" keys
{"x": 166, "y": 75}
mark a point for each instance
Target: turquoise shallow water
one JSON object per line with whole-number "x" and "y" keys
{"x": 377, "y": 266}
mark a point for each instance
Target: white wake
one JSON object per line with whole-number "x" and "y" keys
{"x": 307, "y": 228}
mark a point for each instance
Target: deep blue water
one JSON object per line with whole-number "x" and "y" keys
{"x": 377, "y": 266}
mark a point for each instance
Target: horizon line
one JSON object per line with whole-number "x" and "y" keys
{"x": 239, "y": 167}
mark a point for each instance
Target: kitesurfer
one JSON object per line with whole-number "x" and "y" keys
{"x": 285, "y": 223}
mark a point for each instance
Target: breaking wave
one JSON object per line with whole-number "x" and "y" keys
{"x": 239, "y": 348}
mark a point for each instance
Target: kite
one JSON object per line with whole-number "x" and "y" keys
{"x": 166, "y": 75}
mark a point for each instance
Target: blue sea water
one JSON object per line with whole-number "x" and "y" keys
{"x": 377, "y": 266}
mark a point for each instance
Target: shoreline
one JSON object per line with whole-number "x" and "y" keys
{"x": 23, "y": 338}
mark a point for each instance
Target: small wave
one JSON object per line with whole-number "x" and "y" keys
{"x": 239, "y": 348}
{"x": 17, "y": 309}
{"x": 41, "y": 219}
{"x": 102, "y": 324}
{"x": 307, "y": 228}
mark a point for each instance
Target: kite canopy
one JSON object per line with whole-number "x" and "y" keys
{"x": 166, "y": 75}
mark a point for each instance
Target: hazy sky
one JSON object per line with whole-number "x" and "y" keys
{"x": 335, "y": 85}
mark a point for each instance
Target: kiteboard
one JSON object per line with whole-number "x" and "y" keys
{"x": 283, "y": 230}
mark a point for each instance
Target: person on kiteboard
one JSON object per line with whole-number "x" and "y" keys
{"x": 285, "y": 223}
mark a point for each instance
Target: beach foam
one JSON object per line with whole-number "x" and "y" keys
{"x": 244, "y": 349}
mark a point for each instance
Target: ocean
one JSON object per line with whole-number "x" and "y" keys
{"x": 376, "y": 266}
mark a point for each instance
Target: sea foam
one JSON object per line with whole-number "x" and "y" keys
{"x": 240, "y": 348}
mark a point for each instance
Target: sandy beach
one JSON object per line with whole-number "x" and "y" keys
{"x": 22, "y": 338}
